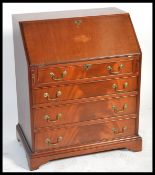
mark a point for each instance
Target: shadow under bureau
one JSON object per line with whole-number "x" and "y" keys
{"x": 78, "y": 83}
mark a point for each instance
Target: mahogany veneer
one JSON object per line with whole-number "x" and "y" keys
{"x": 78, "y": 83}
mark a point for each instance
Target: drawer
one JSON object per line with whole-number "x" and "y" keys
{"x": 65, "y": 137}
{"x": 79, "y": 112}
{"x": 85, "y": 90}
{"x": 85, "y": 70}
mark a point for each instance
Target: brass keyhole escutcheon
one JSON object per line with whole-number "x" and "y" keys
{"x": 78, "y": 22}
{"x": 87, "y": 66}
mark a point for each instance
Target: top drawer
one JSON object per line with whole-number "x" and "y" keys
{"x": 110, "y": 67}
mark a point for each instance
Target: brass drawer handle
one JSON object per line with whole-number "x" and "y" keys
{"x": 119, "y": 111}
{"x": 87, "y": 66}
{"x": 46, "y": 95}
{"x": 114, "y": 86}
{"x": 115, "y": 131}
{"x": 48, "y": 118}
{"x": 109, "y": 68}
{"x": 49, "y": 142}
{"x": 64, "y": 74}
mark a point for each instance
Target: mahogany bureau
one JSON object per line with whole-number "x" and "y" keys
{"x": 78, "y": 83}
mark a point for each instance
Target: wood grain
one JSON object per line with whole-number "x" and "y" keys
{"x": 22, "y": 83}
{"x": 84, "y": 90}
{"x": 81, "y": 135}
{"x": 95, "y": 116}
{"x": 35, "y": 159}
{"x": 80, "y": 112}
{"x": 56, "y": 40}
{"x": 75, "y": 72}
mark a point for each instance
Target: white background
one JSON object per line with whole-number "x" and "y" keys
{"x": 14, "y": 159}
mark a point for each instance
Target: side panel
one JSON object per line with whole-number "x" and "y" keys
{"x": 22, "y": 83}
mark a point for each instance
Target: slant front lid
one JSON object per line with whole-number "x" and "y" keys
{"x": 80, "y": 38}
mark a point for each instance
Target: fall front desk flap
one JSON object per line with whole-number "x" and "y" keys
{"x": 54, "y": 41}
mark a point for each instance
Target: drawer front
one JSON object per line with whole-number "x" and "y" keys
{"x": 64, "y": 137}
{"x": 85, "y": 90}
{"x": 89, "y": 70}
{"x": 79, "y": 112}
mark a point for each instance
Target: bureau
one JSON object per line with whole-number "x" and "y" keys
{"x": 78, "y": 83}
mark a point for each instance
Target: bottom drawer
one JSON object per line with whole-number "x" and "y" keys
{"x": 78, "y": 135}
